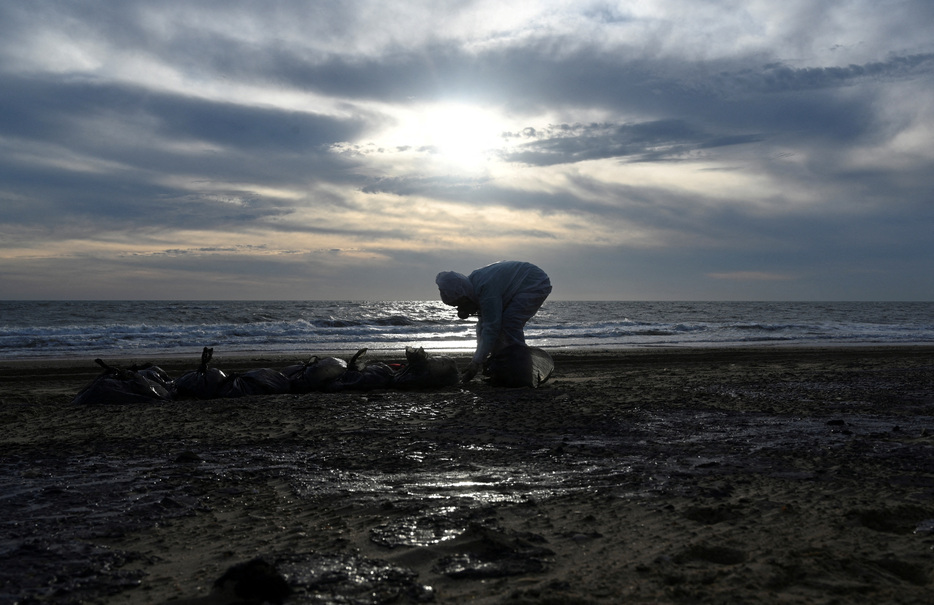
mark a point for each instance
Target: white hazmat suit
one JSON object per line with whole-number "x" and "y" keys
{"x": 505, "y": 295}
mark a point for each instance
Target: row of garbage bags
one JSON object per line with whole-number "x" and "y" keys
{"x": 514, "y": 366}
{"x": 149, "y": 383}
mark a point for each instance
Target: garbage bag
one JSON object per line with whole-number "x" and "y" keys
{"x": 424, "y": 371}
{"x": 316, "y": 374}
{"x": 366, "y": 375}
{"x": 519, "y": 365}
{"x": 116, "y": 385}
{"x": 262, "y": 381}
{"x": 202, "y": 383}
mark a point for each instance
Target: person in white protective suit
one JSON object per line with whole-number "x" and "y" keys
{"x": 505, "y": 296}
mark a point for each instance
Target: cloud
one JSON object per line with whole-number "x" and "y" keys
{"x": 778, "y": 77}
{"x": 73, "y": 112}
{"x": 656, "y": 140}
{"x": 694, "y": 140}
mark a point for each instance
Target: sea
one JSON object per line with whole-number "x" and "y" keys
{"x": 140, "y": 329}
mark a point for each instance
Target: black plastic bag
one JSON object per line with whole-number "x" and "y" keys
{"x": 263, "y": 381}
{"x": 202, "y": 383}
{"x": 424, "y": 371}
{"x": 366, "y": 375}
{"x": 118, "y": 385}
{"x": 519, "y": 366}
{"x": 316, "y": 374}
{"x": 155, "y": 374}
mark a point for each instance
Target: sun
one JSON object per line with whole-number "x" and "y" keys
{"x": 450, "y": 135}
{"x": 460, "y": 134}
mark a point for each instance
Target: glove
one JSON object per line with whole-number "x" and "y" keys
{"x": 470, "y": 372}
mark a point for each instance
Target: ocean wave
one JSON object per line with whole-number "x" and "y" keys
{"x": 392, "y": 320}
{"x": 141, "y": 327}
{"x": 760, "y": 327}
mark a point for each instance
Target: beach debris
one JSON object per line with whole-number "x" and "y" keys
{"x": 519, "y": 365}
{"x": 155, "y": 374}
{"x": 316, "y": 374}
{"x": 424, "y": 371}
{"x": 263, "y": 381}
{"x": 116, "y": 385}
{"x": 256, "y": 581}
{"x": 202, "y": 383}
{"x": 366, "y": 375}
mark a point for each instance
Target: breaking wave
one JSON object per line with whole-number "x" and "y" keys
{"x": 66, "y": 328}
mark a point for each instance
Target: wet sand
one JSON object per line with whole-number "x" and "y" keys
{"x": 655, "y": 476}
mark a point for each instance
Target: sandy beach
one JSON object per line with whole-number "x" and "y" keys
{"x": 782, "y": 475}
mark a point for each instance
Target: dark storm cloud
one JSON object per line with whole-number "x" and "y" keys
{"x": 698, "y": 104}
{"x": 46, "y": 109}
{"x": 113, "y": 202}
{"x": 647, "y": 141}
{"x": 231, "y": 117}
{"x": 778, "y": 77}
{"x": 542, "y": 73}
{"x": 122, "y": 136}
{"x": 725, "y": 108}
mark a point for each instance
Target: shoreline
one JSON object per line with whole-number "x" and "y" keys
{"x": 384, "y": 353}
{"x": 789, "y": 474}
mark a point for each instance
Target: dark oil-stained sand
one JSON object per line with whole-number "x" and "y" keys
{"x": 673, "y": 476}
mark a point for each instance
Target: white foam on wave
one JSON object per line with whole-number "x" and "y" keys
{"x": 156, "y": 327}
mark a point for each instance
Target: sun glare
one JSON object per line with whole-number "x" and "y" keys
{"x": 456, "y": 136}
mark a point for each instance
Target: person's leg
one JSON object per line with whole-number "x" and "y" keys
{"x": 520, "y": 310}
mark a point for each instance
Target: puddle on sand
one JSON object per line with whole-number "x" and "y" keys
{"x": 325, "y": 578}
{"x": 436, "y": 525}
{"x": 437, "y": 485}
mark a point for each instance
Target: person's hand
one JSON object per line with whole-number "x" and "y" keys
{"x": 466, "y": 307}
{"x": 472, "y": 368}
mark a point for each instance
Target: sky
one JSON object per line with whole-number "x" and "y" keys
{"x": 322, "y": 150}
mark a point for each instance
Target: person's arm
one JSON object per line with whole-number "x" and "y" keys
{"x": 488, "y": 326}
